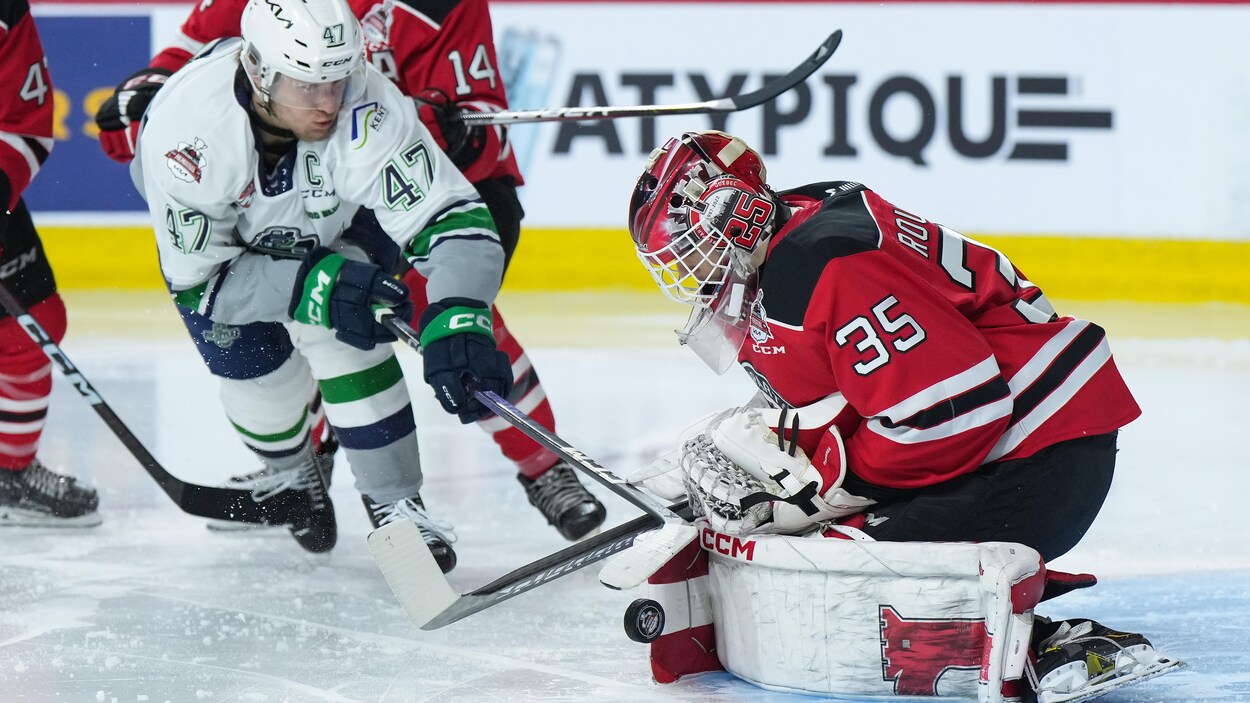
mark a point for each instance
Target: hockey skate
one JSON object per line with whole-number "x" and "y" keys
{"x": 317, "y": 531}
{"x": 1083, "y": 660}
{"x": 564, "y": 501}
{"x": 438, "y": 536}
{"x": 39, "y": 497}
{"x": 263, "y": 482}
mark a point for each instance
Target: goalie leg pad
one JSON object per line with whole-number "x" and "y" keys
{"x": 687, "y": 645}
{"x": 854, "y": 618}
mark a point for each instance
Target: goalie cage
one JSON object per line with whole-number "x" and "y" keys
{"x": 851, "y": 618}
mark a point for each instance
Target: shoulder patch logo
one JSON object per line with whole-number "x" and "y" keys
{"x": 187, "y": 162}
{"x": 759, "y": 329}
{"x": 365, "y": 118}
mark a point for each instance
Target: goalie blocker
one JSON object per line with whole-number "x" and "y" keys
{"x": 863, "y": 618}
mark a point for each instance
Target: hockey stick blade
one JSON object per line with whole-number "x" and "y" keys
{"x": 204, "y": 501}
{"x": 765, "y": 93}
{"x": 428, "y": 598}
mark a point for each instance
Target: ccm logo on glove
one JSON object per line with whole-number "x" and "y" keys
{"x": 467, "y": 320}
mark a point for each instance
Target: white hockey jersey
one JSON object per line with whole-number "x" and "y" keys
{"x": 230, "y": 235}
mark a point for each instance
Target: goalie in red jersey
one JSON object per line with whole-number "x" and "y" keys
{"x": 442, "y": 53}
{"x": 914, "y": 386}
{"x": 30, "y": 494}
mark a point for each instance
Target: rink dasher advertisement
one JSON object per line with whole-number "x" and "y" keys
{"x": 1019, "y": 120}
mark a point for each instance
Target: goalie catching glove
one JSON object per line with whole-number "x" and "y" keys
{"x": 745, "y": 478}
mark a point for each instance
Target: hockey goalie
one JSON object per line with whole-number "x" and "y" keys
{"x": 929, "y": 432}
{"x": 776, "y": 585}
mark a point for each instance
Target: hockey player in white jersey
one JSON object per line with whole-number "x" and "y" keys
{"x": 261, "y": 161}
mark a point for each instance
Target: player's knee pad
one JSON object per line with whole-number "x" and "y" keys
{"x": 274, "y": 402}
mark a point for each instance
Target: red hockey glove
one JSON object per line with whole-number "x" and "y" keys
{"x": 118, "y": 118}
{"x": 461, "y": 143}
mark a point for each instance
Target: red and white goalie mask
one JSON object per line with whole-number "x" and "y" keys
{"x": 700, "y": 217}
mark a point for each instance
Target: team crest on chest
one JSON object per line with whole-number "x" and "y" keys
{"x": 286, "y": 242}
{"x": 187, "y": 162}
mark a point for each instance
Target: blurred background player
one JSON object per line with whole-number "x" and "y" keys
{"x": 258, "y": 161}
{"x": 442, "y": 53}
{"x": 30, "y": 494}
{"x": 928, "y": 391}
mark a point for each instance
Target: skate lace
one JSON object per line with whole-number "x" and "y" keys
{"x": 430, "y": 527}
{"x": 556, "y": 491}
{"x": 1083, "y": 634}
{"x": 267, "y": 484}
{"x": 46, "y": 482}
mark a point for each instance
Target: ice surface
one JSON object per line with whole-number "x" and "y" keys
{"x": 151, "y": 606}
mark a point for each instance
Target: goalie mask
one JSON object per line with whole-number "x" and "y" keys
{"x": 303, "y": 54}
{"x": 701, "y": 217}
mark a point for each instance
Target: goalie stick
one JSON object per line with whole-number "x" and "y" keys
{"x": 735, "y": 103}
{"x": 205, "y": 501}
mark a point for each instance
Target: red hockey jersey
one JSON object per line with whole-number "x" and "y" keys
{"x": 25, "y": 99}
{"x": 930, "y": 351}
{"x": 419, "y": 44}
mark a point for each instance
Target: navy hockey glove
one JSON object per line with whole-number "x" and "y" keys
{"x": 338, "y": 293}
{"x": 119, "y": 117}
{"x": 457, "y": 341}
{"x": 462, "y": 144}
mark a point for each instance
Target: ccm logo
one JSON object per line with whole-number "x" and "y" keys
{"x": 468, "y": 319}
{"x": 728, "y": 545}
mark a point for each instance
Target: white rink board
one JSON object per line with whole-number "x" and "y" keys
{"x": 1175, "y": 161}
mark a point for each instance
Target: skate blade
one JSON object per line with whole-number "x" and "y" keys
{"x": 18, "y": 517}
{"x": 1158, "y": 668}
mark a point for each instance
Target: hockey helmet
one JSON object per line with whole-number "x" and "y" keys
{"x": 303, "y": 53}
{"x": 700, "y": 209}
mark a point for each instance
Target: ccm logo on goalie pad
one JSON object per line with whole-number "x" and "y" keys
{"x": 915, "y": 653}
{"x": 728, "y": 545}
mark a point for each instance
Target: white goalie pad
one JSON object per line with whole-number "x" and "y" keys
{"x": 862, "y": 618}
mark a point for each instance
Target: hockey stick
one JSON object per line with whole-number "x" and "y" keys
{"x": 537, "y": 432}
{"x": 765, "y": 93}
{"x": 416, "y": 579}
{"x": 204, "y": 501}
{"x": 428, "y": 598}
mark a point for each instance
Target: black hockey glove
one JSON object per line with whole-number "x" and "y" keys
{"x": 118, "y": 118}
{"x": 462, "y": 144}
{"x": 457, "y": 341}
{"x": 335, "y": 292}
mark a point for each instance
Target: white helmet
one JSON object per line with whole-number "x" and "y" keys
{"x": 291, "y": 45}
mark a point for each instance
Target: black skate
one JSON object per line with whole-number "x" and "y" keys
{"x": 264, "y": 482}
{"x": 1080, "y": 659}
{"x": 317, "y": 531}
{"x": 564, "y": 501}
{"x": 438, "y": 536}
{"x": 38, "y": 497}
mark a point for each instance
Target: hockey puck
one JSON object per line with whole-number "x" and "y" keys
{"x": 644, "y": 620}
